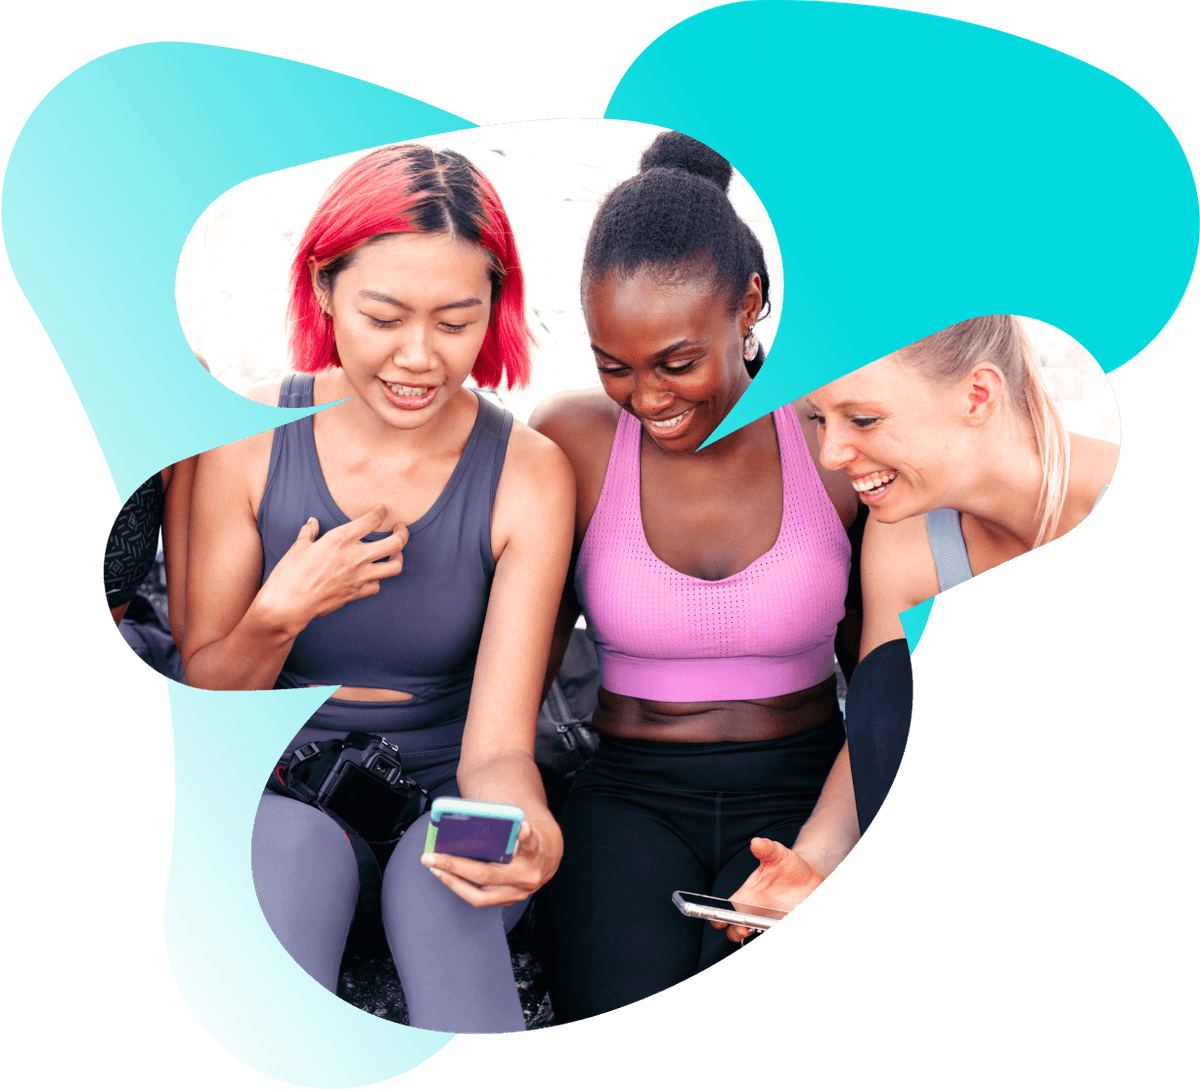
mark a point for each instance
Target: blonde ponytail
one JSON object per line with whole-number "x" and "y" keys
{"x": 948, "y": 356}
{"x": 1053, "y": 445}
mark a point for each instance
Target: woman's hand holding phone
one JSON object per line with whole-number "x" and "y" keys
{"x": 782, "y": 880}
{"x": 488, "y": 884}
{"x": 316, "y": 576}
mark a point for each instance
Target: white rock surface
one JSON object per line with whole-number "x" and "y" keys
{"x": 551, "y": 176}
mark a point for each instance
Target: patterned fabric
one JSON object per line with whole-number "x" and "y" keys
{"x": 133, "y": 543}
{"x": 765, "y": 631}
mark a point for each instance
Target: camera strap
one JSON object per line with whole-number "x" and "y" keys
{"x": 303, "y": 775}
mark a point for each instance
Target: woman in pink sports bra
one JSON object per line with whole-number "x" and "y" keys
{"x": 714, "y": 583}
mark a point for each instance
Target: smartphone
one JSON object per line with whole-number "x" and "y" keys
{"x": 479, "y": 830}
{"x": 696, "y": 906}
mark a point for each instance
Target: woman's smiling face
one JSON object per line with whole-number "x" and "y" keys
{"x": 670, "y": 354}
{"x": 409, "y": 316}
{"x": 896, "y": 436}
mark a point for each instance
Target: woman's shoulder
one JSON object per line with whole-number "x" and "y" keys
{"x": 533, "y": 455}
{"x": 577, "y": 419}
{"x": 583, "y": 424}
{"x": 898, "y": 554}
{"x": 1093, "y": 462}
{"x": 536, "y": 491}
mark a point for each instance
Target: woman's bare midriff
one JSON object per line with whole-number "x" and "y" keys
{"x": 368, "y": 695}
{"x": 719, "y": 720}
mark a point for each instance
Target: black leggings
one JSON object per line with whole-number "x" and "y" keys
{"x": 645, "y": 818}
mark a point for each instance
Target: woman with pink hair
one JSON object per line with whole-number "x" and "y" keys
{"x": 407, "y": 544}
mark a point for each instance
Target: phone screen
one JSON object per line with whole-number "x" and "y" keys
{"x": 482, "y": 838}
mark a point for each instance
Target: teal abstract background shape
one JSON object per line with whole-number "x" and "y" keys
{"x": 905, "y": 160}
{"x": 249, "y": 994}
{"x": 919, "y": 171}
{"x": 913, "y": 622}
{"x": 106, "y": 179}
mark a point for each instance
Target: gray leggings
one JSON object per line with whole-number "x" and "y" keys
{"x": 452, "y": 958}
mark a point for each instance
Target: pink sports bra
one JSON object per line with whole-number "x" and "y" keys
{"x": 766, "y": 631}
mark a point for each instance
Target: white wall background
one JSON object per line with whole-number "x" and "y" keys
{"x": 551, "y": 176}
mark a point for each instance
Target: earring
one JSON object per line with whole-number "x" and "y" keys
{"x": 750, "y": 345}
{"x": 326, "y": 314}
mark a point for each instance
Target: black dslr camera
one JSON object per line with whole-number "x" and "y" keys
{"x": 359, "y": 781}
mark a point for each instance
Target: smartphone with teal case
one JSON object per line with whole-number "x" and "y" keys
{"x": 480, "y": 830}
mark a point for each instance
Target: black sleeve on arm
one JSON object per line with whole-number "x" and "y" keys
{"x": 878, "y": 710}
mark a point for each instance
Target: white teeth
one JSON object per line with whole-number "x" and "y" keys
{"x": 875, "y": 482}
{"x": 407, "y": 391}
{"x": 666, "y": 425}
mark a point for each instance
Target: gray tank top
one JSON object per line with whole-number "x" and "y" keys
{"x": 950, "y": 550}
{"x": 421, "y": 632}
{"x": 948, "y": 547}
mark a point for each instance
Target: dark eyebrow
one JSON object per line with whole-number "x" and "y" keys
{"x": 669, "y": 350}
{"x": 611, "y": 358}
{"x": 379, "y": 296}
{"x": 672, "y": 349}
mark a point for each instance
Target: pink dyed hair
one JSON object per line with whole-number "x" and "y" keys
{"x": 409, "y": 187}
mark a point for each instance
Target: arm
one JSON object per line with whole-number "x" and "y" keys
{"x": 238, "y": 636}
{"x": 564, "y": 624}
{"x": 898, "y": 572}
{"x": 177, "y": 505}
{"x": 177, "y": 511}
{"x": 895, "y": 576}
{"x": 532, "y": 523}
{"x": 582, "y": 424}
{"x": 786, "y": 877}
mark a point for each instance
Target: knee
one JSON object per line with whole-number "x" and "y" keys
{"x": 288, "y": 833}
{"x": 417, "y": 905}
{"x": 407, "y": 885}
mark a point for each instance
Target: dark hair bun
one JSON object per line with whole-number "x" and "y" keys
{"x": 674, "y": 149}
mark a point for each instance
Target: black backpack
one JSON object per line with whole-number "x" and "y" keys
{"x": 565, "y": 738}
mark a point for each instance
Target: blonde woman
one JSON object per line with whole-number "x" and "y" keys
{"x": 955, "y": 445}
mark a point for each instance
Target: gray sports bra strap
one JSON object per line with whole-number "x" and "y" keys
{"x": 950, "y": 550}
{"x": 948, "y": 547}
{"x": 296, "y": 390}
